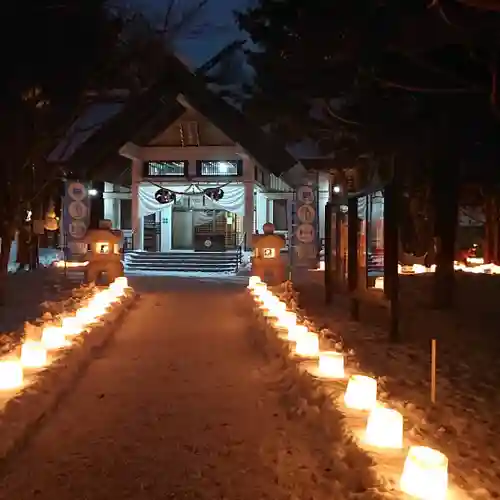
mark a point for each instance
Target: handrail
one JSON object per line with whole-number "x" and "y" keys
{"x": 239, "y": 251}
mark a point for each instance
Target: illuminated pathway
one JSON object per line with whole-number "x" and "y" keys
{"x": 179, "y": 406}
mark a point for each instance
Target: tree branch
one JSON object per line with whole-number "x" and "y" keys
{"x": 425, "y": 90}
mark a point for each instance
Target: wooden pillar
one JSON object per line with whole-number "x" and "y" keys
{"x": 391, "y": 244}
{"x": 329, "y": 265}
{"x": 352, "y": 256}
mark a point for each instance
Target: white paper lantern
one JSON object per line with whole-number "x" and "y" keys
{"x": 11, "y": 375}
{"x": 252, "y": 281}
{"x": 331, "y": 364}
{"x": 384, "y": 428}
{"x": 361, "y": 393}
{"x": 33, "y": 354}
{"x": 71, "y": 325}
{"x": 425, "y": 474}
{"x": 307, "y": 345}
{"x": 286, "y": 320}
{"x": 53, "y": 338}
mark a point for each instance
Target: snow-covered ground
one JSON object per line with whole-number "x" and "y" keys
{"x": 188, "y": 403}
{"x": 465, "y": 422}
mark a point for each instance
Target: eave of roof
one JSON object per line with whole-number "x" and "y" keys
{"x": 151, "y": 112}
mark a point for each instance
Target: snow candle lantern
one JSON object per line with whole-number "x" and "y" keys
{"x": 11, "y": 375}
{"x": 384, "y": 428}
{"x": 33, "y": 354}
{"x": 331, "y": 364}
{"x": 361, "y": 393}
{"x": 252, "y": 281}
{"x": 295, "y": 332}
{"x": 379, "y": 283}
{"x": 307, "y": 345}
{"x": 53, "y": 338}
{"x": 286, "y": 320}
{"x": 425, "y": 474}
{"x": 71, "y": 325}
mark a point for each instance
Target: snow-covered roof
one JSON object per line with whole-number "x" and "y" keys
{"x": 91, "y": 120}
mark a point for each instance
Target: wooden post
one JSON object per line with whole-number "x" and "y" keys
{"x": 391, "y": 250}
{"x": 433, "y": 371}
{"x": 352, "y": 256}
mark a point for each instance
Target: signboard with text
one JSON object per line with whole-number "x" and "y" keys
{"x": 76, "y": 217}
{"x": 304, "y": 231}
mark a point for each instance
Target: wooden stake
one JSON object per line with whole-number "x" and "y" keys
{"x": 433, "y": 371}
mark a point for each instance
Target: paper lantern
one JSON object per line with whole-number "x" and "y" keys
{"x": 33, "y": 354}
{"x": 384, "y": 428}
{"x": 425, "y": 474}
{"x": 122, "y": 281}
{"x": 53, "y": 338}
{"x": 296, "y": 332}
{"x": 307, "y": 345}
{"x": 361, "y": 393}
{"x": 331, "y": 364}
{"x": 11, "y": 375}
{"x": 379, "y": 283}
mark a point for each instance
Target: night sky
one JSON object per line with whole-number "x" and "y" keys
{"x": 217, "y": 13}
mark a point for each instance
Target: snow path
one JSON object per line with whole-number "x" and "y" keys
{"x": 179, "y": 406}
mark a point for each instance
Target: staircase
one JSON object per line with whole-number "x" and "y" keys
{"x": 188, "y": 262}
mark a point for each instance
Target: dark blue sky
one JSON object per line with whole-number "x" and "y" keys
{"x": 218, "y": 14}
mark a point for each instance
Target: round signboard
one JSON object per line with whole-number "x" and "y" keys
{"x": 77, "y": 229}
{"x": 77, "y": 210}
{"x": 306, "y": 213}
{"x": 305, "y": 233}
{"x": 208, "y": 243}
{"x": 305, "y": 194}
{"x": 77, "y": 191}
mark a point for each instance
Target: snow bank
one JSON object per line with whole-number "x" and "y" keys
{"x": 352, "y": 471}
{"x": 22, "y": 411}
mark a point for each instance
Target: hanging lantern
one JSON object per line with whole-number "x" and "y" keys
{"x": 331, "y": 364}
{"x": 215, "y": 194}
{"x": 384, "y": 428}
{"x": 33, "y": 354}
{"x": 164, "y": 196}
{"x": 307, "y": 345}
{"x": 425, "y": 474}
{"x": 11, "y": 375}
{"x": 361, "y": 393}
{"x": 51, "y": 222}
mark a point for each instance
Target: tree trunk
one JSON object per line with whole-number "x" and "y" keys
{"x": 6, "y": 236}
{"x": 445, "y": 201}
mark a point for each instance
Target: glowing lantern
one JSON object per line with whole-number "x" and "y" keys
{"x": 11, "y": 375}
{"x": 331, "y": 364}
{"x": 33, "y": 354}
{"x": 122, "y": 281}
{"x": 307, "y": 345}
{"x": 286, "y": 320}
{"x": 296, "y": 332}
{"x": 379, "y": 283}
{"x": 425, "y": 474}
{"x": 361, "y": 393}
{"x": 71, "y": 325}
{"x": 85, "y": 315}
{"x": 252, "y": 281}
{"x": 53, "y": 338}
{"x": 384, "y": 428}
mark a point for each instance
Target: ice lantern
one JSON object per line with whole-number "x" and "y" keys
{"x": 33, "y": 354}
{"x": 331, "y": 364}
{"x": 425, "y": 474}
{"x": 361, "y": 393}
{"x": 384, "y": 428}
{"x": 297, "y": 331}
{"x": 11, "y": 375}
{"x": 307, "y": 345}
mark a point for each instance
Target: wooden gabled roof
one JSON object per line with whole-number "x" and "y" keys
{"x": 150, "y": 113}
